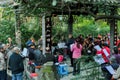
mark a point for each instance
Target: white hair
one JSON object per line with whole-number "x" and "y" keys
{"x": 16, "y": 48}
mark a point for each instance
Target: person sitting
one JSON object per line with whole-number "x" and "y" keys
{"x": 116, "y": 75}
{"x": 114, "y": 65}
{"x": 58, "y": 58}
{"x": 116, "y": 54}
{"x": 105, "y": 53}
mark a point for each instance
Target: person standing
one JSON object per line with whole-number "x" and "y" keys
{"x": 16, "y": 64}
{"x": 69, "y": 43}
{"x": 77, "y": 50}
{"x": 3, "y": 73}
{"x": 31, "y": 50}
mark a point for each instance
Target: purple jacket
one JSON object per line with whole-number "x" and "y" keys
{"x": 117, "y": 56}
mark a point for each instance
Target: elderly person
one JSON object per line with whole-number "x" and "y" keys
{"x": 3, "y": 75}
{"x": 16, "y": 64}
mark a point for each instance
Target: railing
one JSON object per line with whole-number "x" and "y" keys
{"x": 89, "y": 70}
{"x": 44, "y": 73}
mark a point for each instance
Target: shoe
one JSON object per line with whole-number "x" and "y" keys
{"x": 71, "y": 65}
{"x": 74, "y": 73}
{"x": 78, "y": 72}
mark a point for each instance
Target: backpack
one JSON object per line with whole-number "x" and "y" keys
{"x": 39, "y": 57}
{"x": 60, "y": 58}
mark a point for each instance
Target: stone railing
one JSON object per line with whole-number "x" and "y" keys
{"x": 45, "y": 72}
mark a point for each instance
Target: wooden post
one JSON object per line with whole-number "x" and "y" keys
{"x": 112, "y": 30}
{"x": 48, "y": 30}
{"x": 17, "y": 26}
{"x": 46, "y": 33}
{"x": 115, "y": 33}
{"x": 43, "y": 35}
{"x": 70, "y": 25}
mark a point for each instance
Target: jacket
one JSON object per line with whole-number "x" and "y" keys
{"x": 2, "y": 62}
{"x": 76, "y": 51}
{"x": 16, "y": 63}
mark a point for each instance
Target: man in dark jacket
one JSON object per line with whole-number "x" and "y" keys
{"x": 16, "y": 64}
{"x": 69, "y": 42}
{"x": 31, "y": 50}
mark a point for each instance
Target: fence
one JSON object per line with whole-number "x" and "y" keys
{"x": 89, "y": 70}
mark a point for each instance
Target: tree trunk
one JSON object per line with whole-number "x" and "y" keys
{"x": 17, "y": 29}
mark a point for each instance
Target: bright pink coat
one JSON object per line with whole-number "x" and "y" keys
{"x": 76, "y": 51}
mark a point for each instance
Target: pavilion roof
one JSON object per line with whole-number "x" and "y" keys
{"x": 36, "y": 7}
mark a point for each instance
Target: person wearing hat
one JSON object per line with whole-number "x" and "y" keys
{"x": 3, "y": 74}
{"x": 16, "y": 64}
{"x": 31, "y": 50}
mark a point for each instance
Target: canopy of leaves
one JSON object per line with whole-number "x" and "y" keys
{"x": 30, "y": 28}
{"x": 37, "y": 7}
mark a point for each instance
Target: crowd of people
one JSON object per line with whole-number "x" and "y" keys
{"x": 94, "y": 46}
{"x": 11, "y": 57}
{"x": 11, "y": 60}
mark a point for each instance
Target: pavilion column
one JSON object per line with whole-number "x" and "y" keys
{"x": 48, "y": 30}
{"x": 17, "y": 26}
{"x": 115, "y": 33}
{"x": 70, "y": 25}
{"x": 112, "y": 30}
{"x": 43, "y": 35}
{"x": 46, "y": 33}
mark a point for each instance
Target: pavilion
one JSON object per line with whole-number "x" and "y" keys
{"x": 99, "y": 9}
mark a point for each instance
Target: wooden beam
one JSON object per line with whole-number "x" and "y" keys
{"x": 107, "y": 17}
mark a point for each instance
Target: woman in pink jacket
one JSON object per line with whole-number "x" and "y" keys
{"x": 76, "y": 49}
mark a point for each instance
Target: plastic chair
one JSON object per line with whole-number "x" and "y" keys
{"x": 33, "y": 75}
{"x": 62, "y": 69}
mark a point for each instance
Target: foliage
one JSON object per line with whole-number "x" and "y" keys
{"x": 87, "y": 25}
{"x": 37, "y": 7}
{"x": 7, "y": 23}
{"x": 6, "y": 30}
{"x": 118, "y": 28}
{"x": 31, "y": 27}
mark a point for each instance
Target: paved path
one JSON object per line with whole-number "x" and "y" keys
{"x": 70, "y": 70}
{"x": 85, "y": 72}
{"x": 70, "y": 76}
